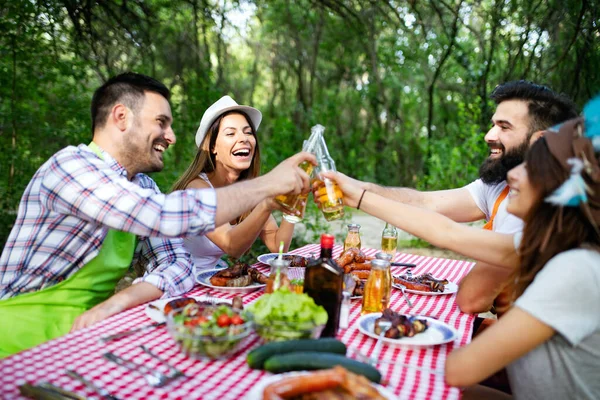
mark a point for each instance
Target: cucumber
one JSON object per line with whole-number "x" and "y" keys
{"x": 258, "y": 356}
{"x": 311, "y": 360}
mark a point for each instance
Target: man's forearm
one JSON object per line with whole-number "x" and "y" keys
{"x": 234, "y": 200}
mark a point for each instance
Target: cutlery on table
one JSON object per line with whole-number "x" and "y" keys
{"x": 175, "y": 373}
{"x": 401, "y": 264}
{"x": 90, "y": 385}
{"x": 47, "y": 391}
{"x": 402, "y": 287}
{"x": 384, "y": 325}
{"x": 130, "y": 332}
{"x": 152, "y": 377}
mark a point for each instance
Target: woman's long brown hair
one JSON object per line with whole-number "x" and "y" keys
{"x": 205, "y": 159}
{"x": 549, "y": 229}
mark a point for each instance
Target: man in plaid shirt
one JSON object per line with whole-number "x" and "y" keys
{"x": 82, "y": 192}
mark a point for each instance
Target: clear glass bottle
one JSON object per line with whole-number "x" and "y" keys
{"x": 378, "y": 287}
{"x": 353, "y": 237}
{"x": 329, "y": 194}
{"x": 296, "y": 202}
{"x": 388, "y": 258}
{"x": 278, "y": 277}
{"x": 323, "y": 281}
{"x": 389, "y": 239}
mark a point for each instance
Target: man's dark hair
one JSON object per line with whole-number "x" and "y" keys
{"x": 546, "y": 107}
{"x": 127, "y": 88}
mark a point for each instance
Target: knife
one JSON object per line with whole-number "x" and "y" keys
{"x": 130, "y": 332}
{"x": 400, "y": 264}
{"x": 47, "y": 391}
{"x": 101, "y": 391}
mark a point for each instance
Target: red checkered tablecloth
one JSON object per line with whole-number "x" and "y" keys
{"x": 416, "y": 372}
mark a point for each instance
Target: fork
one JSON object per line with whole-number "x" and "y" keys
{"x": 384, "y": 325}
{"x": 153, "y": 378}
{"x": 175, "y": 373}
{"x": 101, "y": 391}
{"x": 401, "y": 287}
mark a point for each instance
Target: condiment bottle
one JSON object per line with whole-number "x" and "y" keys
{"x": 353, "y": 237}
{"x": 278, "y": 277}
{"x": 378, "y": 287}
{"x": 323, "y": 281}
{"x": 389, "y": 239}
{"x": 386, "y": 257}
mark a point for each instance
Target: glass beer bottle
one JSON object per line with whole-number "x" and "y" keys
{"x": 323, "y": 281}
{"x": 329, "y": 194}
{"x": 377, "y": 288}
{"x": 296, "y": 202}
{"x": 353, "y": 237}
{"x": 389, "y": 239}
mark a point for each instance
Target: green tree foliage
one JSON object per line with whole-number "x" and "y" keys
{"x": 402, "y": 87}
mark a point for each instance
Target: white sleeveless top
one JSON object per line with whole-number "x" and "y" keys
{"x": 205, "y": 254}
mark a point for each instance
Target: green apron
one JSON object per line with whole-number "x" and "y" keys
{"x": 32, "y": 318}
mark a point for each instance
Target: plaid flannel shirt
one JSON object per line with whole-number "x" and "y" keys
{"x": 72, "y": 201}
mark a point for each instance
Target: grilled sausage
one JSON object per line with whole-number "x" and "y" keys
{"x": 298, "y": 385}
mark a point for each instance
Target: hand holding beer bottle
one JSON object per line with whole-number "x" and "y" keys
{"x": 327, "y": 194}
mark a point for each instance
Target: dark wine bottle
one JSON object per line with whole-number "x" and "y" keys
{"x": 323, "y": 281}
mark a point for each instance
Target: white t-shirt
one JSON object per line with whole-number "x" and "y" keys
{"x": 565, "y": 295}
{"x": 485, "y": 197}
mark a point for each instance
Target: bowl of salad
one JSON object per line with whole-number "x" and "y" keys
{"x": 208, "y": 331}
{"x": 285, "y": 315}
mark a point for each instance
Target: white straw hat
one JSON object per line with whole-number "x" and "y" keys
{"x": 223, "y": 105}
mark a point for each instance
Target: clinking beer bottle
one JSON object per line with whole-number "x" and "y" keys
{"x": 323, "y": 281}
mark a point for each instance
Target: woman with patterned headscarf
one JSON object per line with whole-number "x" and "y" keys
{"x": 549, "y": 340}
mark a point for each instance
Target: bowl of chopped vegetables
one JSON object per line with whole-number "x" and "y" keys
{"x": 208, "y": 331}
{"x": 285, "y": 315}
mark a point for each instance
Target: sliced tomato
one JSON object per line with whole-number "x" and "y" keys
{"x": 237, "y": 320}
{"x": 223, "y": 320}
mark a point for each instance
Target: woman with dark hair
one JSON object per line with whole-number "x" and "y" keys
{"x": 228, "y": 152}
{"x": 549, "y": 340}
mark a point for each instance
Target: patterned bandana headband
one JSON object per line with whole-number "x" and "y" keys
{"x": 575, "y": 144}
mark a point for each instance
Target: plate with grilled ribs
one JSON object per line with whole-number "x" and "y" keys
{"x": 295, "y": 260}
{"x": 409, "y": 330}
{"x": 239, "y": 278}
{"x": 425, "y": 284}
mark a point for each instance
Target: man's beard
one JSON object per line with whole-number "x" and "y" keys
{"x": 494, "y": 171}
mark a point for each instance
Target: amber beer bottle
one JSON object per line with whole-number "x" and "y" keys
{"x": 323, "y": 281}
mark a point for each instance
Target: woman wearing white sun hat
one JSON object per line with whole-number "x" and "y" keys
{"x": 228, "y": 152}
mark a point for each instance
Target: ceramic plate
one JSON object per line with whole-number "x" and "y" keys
{"x": 450, "y": 288}
{"x": 154, "y": 309}
{"x": 265, "y": 258}
{"x": 257, "y": 391}
{"x": 437, "y": 332}
{"x": 203, "y": 278}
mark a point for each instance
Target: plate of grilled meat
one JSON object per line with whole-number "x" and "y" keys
{"x": 355, "y": 262}
{"x": 425, "y": 284}
{"x": 239, "y": 278}
{"x": 407, "y": 330}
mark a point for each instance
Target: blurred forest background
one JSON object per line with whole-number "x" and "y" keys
{"x": 401, "y": 86}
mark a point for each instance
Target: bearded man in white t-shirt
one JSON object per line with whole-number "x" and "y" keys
{"x": 523, "y": 110}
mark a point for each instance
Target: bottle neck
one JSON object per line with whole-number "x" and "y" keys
{"x": 326, "y": 252}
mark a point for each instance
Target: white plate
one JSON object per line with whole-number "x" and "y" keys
{"x": 159, "y": 316}
{"x": 450, "y": 288}
{"x": 257, "y": 391}
{"x": 437, "y": 332}
{"x": 265, "y": 258}
{"x": 203, "y": 278}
